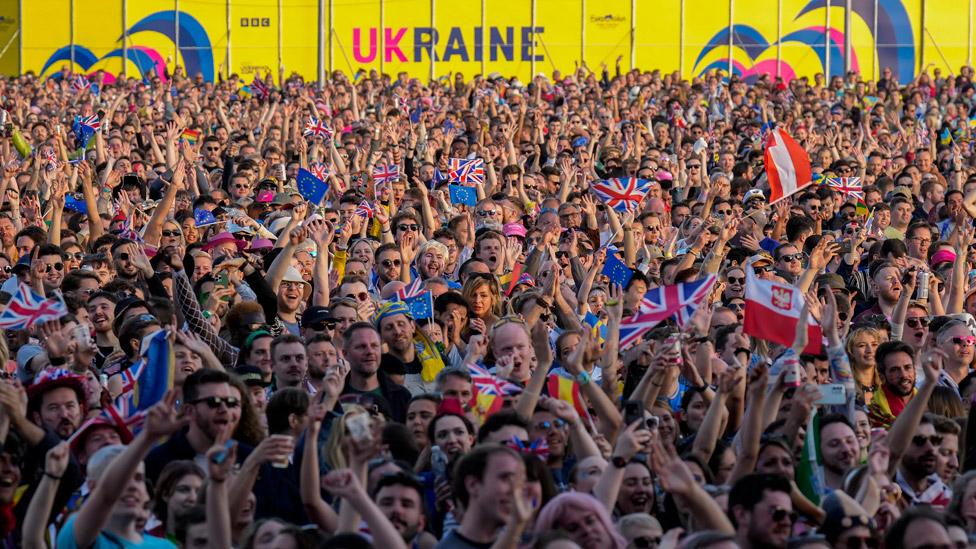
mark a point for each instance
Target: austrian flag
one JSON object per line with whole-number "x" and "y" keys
{"x": 787, "y": 165}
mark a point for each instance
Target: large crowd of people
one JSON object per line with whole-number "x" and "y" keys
{"x": 430, "y": 354}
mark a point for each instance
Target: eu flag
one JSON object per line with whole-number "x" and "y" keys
{"x": 421, "y": 305}
{"x": 310, "y": 187}
{"x": 75, "y": 205}
{"x": 202, "y": 218}
{"x": 463, "y": 195}
{"x": 617, "y": 271}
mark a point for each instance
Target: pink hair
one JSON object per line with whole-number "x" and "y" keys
{"x": 551, "y": 513}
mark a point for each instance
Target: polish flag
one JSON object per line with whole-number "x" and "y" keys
{"x": 772, "y": 311}
{"x": 787, "y": 165}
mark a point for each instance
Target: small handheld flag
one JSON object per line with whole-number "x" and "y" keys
{"x": 203, "y": 218}
{"x": 365, "y": 210}
{"x": 621, "y": 193}
{"x": 386, "y": 173}
{"x": 463, "y": 195}
{"x": 319, "y": 170}
{"x": 27, "y": 308}
{"x": 466, "y": 171}
{"x": 310, "y": 187}
{"x": 617, "y": 271}
{"x": 190, "y": 136}
{"x": 316, "y": 128}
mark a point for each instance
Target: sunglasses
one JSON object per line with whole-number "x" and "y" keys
{"x": 560, "y": 255}
{"x": 77, "y": 256}
{"x": 736, "y": 306}
{"x": 391, "y": 263}
{"x": 412, "y": 227}
{"x": 323, "y": 325}
{"x": 645, "y": 542}
{"x": 55, "y": 267}
{"x": 546, "y": 425}
{"x": 866, "y": 542}
{"x": 486, "y": 213}
{"x": 361, "y": 296}
{"x": 694, "y": 166}
{"x": 920, "y": 440}
{"x": 779, "y": 514}
{"x": 764, "y": 269}
{"x": 792, "y": 257}
{"x": 214, "y": 402}
{"x": 736, "y": 279}
{"x": 968, "y": 341}
{"x": 917, "y": 322}
{"x": 171, "y": 234}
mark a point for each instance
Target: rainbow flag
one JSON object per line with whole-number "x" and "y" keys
{"x": 190, "y": 136}
{"x": 568, "y": 390}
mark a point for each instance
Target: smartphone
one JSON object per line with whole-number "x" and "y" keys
{"x": 222, "y": 279}
{"x": 832, "y": 394}
{"x": 359, "y": 428}
{"x": 438, "y": 461}
{"x": 634, "y": 411}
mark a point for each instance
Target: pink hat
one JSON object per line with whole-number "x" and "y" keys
{"x": 223, "y": 238}
{"x": 262, "y": 244}
{"x": 664, "y": 175}
{"x": 514, "y": 229}
{"x": 943, "y": 256}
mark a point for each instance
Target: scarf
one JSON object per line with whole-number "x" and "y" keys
{"x": 885, "y": 407}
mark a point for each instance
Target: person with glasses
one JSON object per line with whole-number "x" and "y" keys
{"x": 388, "y": 265}
{"x": 918, "y": 238}
{"x": 73, "y": 255}
{"x": 761, "y": 511}
{"x": 789, "y": 261}
{"x": 956, "y": 340}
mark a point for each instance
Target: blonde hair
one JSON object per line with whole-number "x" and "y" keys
{"x": 871, "y": 331}
{"x": 334, "y": 454}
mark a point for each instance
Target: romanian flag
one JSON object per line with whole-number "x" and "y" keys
{"x": 152, "y": 376}
{"x": 190, "y": 136}
{"x": 568, "y": 390}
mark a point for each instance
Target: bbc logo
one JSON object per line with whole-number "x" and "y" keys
{"x": 255, "y": 22}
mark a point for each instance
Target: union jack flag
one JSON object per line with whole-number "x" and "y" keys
{"x": 365, "y": 209}
{"x": 415, "y": 288}
{"x": 488, "y": 384}
{"x": 621, "y": 193}
{"x": 386, "y": 173}
{"x": 319, "y": 170}
{"x": 80, "y": 83}
{"x": 316, "y": 128}
{"x": 679, "y": 301}
{"x": 850, "y": 187}
{"x": 91, "y": 121}
{"x": 466, "y": 171}
{"x": 111, "y": 415}
{"x": 50, "y": 159}
{"x": 259, "y": 88}
{"x": 27, "y": 308}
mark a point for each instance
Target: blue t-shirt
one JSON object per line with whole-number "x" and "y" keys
{"x": 66, "y": 540}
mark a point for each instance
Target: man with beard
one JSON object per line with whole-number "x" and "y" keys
{"x": 362, "y": 348}
{"x": 101, "y": 312}
{"x": 388, "y": 264}
{"x": 839, "y": 448}
{"x": 49, "y": 267}
{"x": 288, "y": 361}
{"x": 918, "y": 238}
{"x": 955, "y": 340}
{"x": 917, "y": 472}
{"x": 322, "y": 354}
{"x": 761, "y": 511}
{"x": 213, "y": 407}
{"x": 400, "y": 497}
{"x": 885, "y": 280}
{"x": 408, "y": 345}
{"x": 130, "y": 261}
{"x": 896, "y": 366}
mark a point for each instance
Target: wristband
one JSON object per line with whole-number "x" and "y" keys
{"x": 583, "y": 378}
{"x": 742, "y": 350}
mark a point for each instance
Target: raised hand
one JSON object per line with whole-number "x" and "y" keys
{"x": 57, "y": 458}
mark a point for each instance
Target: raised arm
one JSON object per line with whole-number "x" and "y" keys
{"x": 900, "y": 434}
{"x": 345, "y": 484}
{"x": 318, "y": 511}
{"x": 36, "y": 519}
